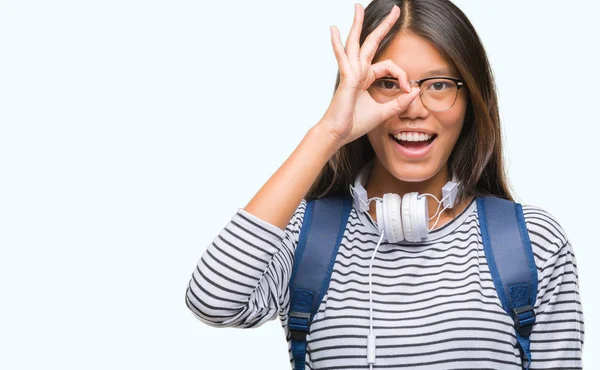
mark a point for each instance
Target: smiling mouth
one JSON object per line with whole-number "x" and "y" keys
{"x": 416, "y": 145}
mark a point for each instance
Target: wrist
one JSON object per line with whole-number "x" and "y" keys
{"x": 324, "y": 138}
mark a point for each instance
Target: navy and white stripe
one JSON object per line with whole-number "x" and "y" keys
{"x": 434, "y": 302}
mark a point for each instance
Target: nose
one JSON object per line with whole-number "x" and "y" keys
{"x": 415, "y": 109}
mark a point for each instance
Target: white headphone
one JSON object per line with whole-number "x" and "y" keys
{"x": 405, "y": 218}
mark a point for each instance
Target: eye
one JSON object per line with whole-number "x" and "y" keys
{"x": 387, "y": 83}
{"x": 439, "y": 85}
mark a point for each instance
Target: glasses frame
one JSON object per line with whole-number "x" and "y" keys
{"x": 459, "y": 83}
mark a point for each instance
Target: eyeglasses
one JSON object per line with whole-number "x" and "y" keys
{"x": 437, "y": 93}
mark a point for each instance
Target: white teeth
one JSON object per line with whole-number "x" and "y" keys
{"x": 413, "y": 136}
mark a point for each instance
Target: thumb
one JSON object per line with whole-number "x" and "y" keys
{"x": 400, "y": 103}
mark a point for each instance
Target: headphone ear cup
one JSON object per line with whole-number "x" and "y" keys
{"x": 406, "y": 218}
{"x": 422, "y": 221}
{"x": 380, "y": 220}
{"x": 392, "y": 218}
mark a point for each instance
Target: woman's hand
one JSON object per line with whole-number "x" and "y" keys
{"x": 352, "y": 111}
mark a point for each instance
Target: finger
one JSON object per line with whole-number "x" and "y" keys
{"x": 338, "y": 50}
{"x": 353, "y": 40}
{"x": 369, "y": 47}
{"x": 387, "y": 68}
{"x": 400, "y": 104}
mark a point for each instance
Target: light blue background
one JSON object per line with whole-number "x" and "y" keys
{"x": 132, "y": 131}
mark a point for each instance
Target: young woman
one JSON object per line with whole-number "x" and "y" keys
{"x": 414, "y": 108}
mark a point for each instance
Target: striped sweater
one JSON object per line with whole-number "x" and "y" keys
{"x": 434, "y": 302}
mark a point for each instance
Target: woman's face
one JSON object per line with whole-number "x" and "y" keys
{"x": 417, "y": 57}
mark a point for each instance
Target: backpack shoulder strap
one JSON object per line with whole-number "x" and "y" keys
{"x": 510, "y": 259}
{"x": 322, "y": 229}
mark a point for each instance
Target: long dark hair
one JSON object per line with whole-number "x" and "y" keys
{"x": 476, "y": 159}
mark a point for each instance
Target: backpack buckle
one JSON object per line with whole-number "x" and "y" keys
{"x": 299, "y": 324}
{"x": 524, "y": 318}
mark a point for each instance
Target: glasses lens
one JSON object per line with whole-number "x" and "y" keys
{"x": 385, "y": 89}
{"x": 439, "y": 93}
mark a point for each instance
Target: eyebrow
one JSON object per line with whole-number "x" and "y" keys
{"x": 439, "y": 71}
{"x": 433, "y": 73}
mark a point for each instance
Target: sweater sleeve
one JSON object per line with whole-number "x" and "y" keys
{"x": 241, "y": 280}
{"x": 558, "y": 334}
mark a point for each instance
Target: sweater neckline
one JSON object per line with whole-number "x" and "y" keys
{"x": 437, "y": 233}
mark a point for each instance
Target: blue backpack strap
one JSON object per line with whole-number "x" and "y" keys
{"x": 512, "y": 266}
{"x": 323, "y": 226}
